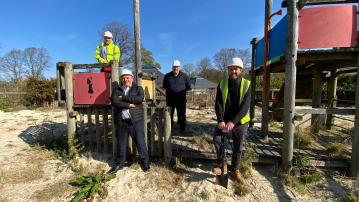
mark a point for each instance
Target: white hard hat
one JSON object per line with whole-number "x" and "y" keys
{"x": 108, "y": 34}
{"x": 176, "y": 63}
{"x": 126, "y": 72}
{"x": 236, "y": 62}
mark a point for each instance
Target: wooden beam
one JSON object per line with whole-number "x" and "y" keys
{"x": 253, "y": 81}
{"x": 354, "y": 169}
{"x": 91, "y": 66}
{"x": 71, "y": 121}
{"x": 332, "y": 96}
{"x": 266, "y": 74}
{"x": 167, "y": 135}
{"x": 114, "y": 83}
{"x": 309, "y": 110}
{"x": 303, "y": 3}
{"x": 316, "y": 98}
{"x": 137, "y": 28}
{"x": 290, "y": 84}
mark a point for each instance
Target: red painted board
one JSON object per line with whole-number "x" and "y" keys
{"x": 327, "y": 27}
{"x": 92, "y": 88}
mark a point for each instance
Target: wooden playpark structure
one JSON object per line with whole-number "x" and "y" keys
{"x": 305, "y": 44}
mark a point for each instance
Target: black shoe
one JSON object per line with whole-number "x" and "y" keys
{"x": 115, "y": 168}
{"x": 145, "y": 166}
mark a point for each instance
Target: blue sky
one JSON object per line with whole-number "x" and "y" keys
{"x": 187, "y": 30}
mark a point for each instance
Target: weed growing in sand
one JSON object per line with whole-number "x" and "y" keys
{"x": 4, "y": 103}
{"x": 249, "y": 155}
{"x": 205, "y": 195}
{"x": 336, "y": 148}
{"x": 351, "y": 197}
{"x": 94, "y": 183}
{"x": 303, "y": 137}
{"x": 301, "y": 175}
{"x": 241, "y": 189}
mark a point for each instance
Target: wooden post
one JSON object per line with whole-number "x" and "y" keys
{"x": 145, "y": 120}
{"x": 167, "y": 135}
{"x": 98, "y": 131}
{"x": 154, "y": 87}
{"x": 332, "y": 96}
{"x": 105, "y": 131}
{"x": 354, "y": 169}
{"x": 114, "y": 83}
{"x": 89, "y": 128}
{"x": 253, "y": 81}
{"x": 136, "y": 16}
{"x": 266, "y": 75}
{"x": 316, "y": 98}
{"x": 160, "y": 127}
{"x": 290, "y": 84}
{"x": 71, "y": 120}
{"x": 82, "y": 126}
{"x": 58, "y": 83}
{"x": 153, "y": 131}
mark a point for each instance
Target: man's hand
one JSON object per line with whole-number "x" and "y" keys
{"x": 120, "y": 97}
{"x": 221, "y": 125}
{"x": 230, "y": 125}
{"x": 132, "y": 106}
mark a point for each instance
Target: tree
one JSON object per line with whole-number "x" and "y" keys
{"x": 123, "y": 37}
{"x": 12, "y": 65}
{"x": 147, "y": 58}
{"x": 246, "y": 57}
{"x": 223, "y": 58}
{"x": 189, "y": 69}
{"x": 36, "y": 61}
{"x": 204, "y": 64}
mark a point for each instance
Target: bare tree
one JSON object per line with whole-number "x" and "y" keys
{"x": 11, "y": 65}
{"x": 189, "y": 69}
{"x": 246, "y": 57}
{"x": 123, "y": 37}
{"x": 204, "y": 64}
{"x": 36, "y": 61}
{"x": 223, "y": 58}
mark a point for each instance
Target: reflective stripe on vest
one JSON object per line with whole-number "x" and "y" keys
{"x": 242, "y": 91}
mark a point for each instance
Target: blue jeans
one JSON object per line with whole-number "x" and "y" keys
{"x": 238, "y": 134}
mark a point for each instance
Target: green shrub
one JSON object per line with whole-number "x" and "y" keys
{"x": 39, "y": 91}
{"x": 4, "y": 103}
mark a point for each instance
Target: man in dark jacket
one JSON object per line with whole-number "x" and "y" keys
{"x": 177, "y": 84}
{"x": 127, "y": 100}
{"x": 232, "y": 105}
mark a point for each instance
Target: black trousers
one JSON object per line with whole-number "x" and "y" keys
{"x": 136, "y": 130}
{"x": 180, "y": 106}
{"x": 239, "y": 132}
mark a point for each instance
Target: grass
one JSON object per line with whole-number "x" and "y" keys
{"x": 166, "y": 179}
{"x": 247, "y": 159}
{"x": 336, "y": 148}
{"x": 205, "y": 195}
{"x": 303, "y": 137}
{"x": 204, "y": 142}
{"x": 351, "y": 197}
{"x": 56, "y": 190}
{"x": 241, "y": 190}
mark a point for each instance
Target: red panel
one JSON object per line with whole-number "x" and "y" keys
{"x": 327, "y": 27}
{"x": 92, "y": 88}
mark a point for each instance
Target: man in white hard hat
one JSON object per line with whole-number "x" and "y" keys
{"x": 127, "y": 101}
{"x": 232, "y": 106}
{"x": 177, "y": 83}
{"x": 107, "y": 50}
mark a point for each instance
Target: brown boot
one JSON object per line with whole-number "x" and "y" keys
{"x": 218, "y": 169}
{"x": 236, "y": 175}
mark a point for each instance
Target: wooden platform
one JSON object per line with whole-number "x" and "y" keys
{"x": 267, "y": 152}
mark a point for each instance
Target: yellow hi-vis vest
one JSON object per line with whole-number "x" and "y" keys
{"x": 242, "y": 91}
{"x": 113, "y": 53}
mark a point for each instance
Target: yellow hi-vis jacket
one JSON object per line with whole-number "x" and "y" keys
{"x": 113, "y": 53}
{"x": 245, "y": 84}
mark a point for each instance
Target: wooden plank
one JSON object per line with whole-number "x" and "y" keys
{"x": 105, "y": 131}
{"x": 153, "y": 131}
{"x": 98, "y": 130}
{"x": 333, "y": 163}
{"x": 290, "y": 84}
{"x": 303, "y": 3}
{"x": 90, "y": 66}
{"x": 309, "y": 110}
{"x": 145, "y": 124}
{"x": 167, "y": 135}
